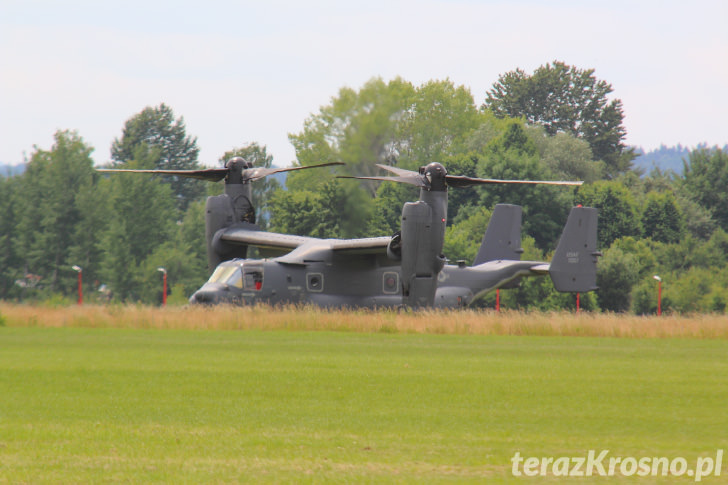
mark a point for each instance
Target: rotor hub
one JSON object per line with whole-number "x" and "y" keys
{"x": 436, "y": 175}
{"x": 236, "y": 166}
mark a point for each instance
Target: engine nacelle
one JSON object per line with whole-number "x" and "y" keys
{"x": 420, "y": 253}
{"x": 219, "y": 215}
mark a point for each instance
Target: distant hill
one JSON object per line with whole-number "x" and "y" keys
{"x": 665, "y": 158}
{"x": 11, "y": 170}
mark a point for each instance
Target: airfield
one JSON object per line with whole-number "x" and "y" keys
{"x": 137, "y": 394}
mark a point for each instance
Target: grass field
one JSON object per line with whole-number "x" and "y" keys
{"x": 388, "y": 404}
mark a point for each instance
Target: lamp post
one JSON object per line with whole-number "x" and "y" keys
{"x": 659, "y": 295}
{"x": 164, "y": 285}
{"x": 79, "y": 270}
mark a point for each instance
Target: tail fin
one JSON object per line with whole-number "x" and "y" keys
{"x": 502, "y": 239}
{"x": 574, "y": 265}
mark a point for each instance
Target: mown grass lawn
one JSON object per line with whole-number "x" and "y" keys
{"x": 117, "y": 405}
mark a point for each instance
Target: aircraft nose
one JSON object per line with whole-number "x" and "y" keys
{"x": 212, "y": 294}
{"x": 205, "y": 297}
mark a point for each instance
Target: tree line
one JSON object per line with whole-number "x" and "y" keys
{"x": 555, "y": 123}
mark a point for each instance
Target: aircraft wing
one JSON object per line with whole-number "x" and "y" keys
{"x": 262, "y": 239}
{"x": 324, "y": 250}
{"x": 369, "y": 245}
{"x": 253, "y": 236}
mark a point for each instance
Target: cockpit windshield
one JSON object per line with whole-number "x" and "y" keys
{"x": 229, "y": 275}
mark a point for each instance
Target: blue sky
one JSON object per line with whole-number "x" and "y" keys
{"x": 240, "y": 72}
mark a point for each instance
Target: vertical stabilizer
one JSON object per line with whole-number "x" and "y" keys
{"x": 502, "y": 239}
{"x": 574, "y": 265}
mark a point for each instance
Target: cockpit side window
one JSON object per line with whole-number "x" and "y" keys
{"x": 229, "y": 275}
{"x": 236, "y": 279}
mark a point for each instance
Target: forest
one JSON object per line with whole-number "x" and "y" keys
{"x": 555, "y": 123}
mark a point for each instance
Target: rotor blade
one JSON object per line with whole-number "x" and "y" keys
{"x": 259, "y": 173}
{"x": 461, "y": 181}
{"x": 417, "y": 180}
{"x": 403, "y": 176}
{"x": 399, "y": 171}
{"x": 210, "y": 174}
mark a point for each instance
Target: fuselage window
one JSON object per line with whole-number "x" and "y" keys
{"x": 315, "y": 282}
{"x": 253, "y": 279}
{"x": 390, "y": 282}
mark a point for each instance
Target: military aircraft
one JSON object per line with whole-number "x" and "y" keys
{"x": 406, "y": 269}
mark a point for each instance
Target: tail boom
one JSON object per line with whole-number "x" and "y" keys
{"x": 572, "y": 268}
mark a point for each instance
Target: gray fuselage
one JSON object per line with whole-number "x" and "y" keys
{"x": 369, "y": 281}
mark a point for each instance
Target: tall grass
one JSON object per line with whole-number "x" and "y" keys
{"x": 307, "y": 318}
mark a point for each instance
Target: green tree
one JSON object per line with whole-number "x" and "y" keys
{"x": 696, "y": 219}
{"x": 387, "y": 206}
{"x": 677, "y": 257}
{"x": 387, "y": 123}
{"x": 8, "y": 221}
{"x": 437, "y": 122}
{"x": 191, "y": 235}
{"x": 696, "y": 290}
{"x": 565, "y": 99}
{"x": 644, "y": 298}
{"x": 705, "y": 181}
{"x": 661, "y": 218}
{"x": 489, "y": 128}
{"x": 461, "y": 242}
{"x": 617, "y": 273}
{"x": 699, "y": 221}
{"x": 183, "y": 272}
{"x": 567, "y": 157}
{"x": 710, "y": 254}
{"x": 296, "y": 212}
{"x": 50, "y": 204}
{"x": 359, "y": 128}
{"x": 142, "y": 220}
{"x": 159, "y": 132}
{"x": 514, "y": 156}
{"x": 28, "y": 202}
{"x": 643, "y": 250}
{"x": 618, "y": 213}
{"x": 322, "y": 214}
{"x": 119, "y": 267}
{"x": 183, "y": 256}
{"x": 88, "y": 252}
